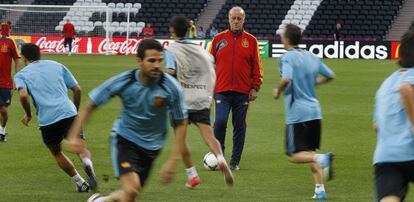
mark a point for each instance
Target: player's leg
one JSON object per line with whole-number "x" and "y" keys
{"x": 207, "y": 133}
{"x": 222, "y": 110}
{"x": 391, "y": 199}
{"x": 65, "y": 44}
{"x": 52, "y": 136}
{"x": 192, "y": 176}
{"x": 302, "y": 139}
{"x": 202, "y": 119}
{"x": 317, "y": 174}
{"x": 5, "y": 100}
{"x": 190, "y": 170}
{"x": 133, "y": 165}
{"x": 70, "y": 45}
{"x": 3, "y": 120}
{"x": 239, "y": 107}
{"x": 67, "y": 165}
{"x": 130, "y": 189}
{"x": 391, "y": 182}
{"x": 85, "y": 155}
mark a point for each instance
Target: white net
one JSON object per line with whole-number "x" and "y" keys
{"x": 49, "y": 20}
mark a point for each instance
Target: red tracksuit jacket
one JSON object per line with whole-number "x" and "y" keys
{"x": 68, "y": 30}
{"x": 238, "y": 62}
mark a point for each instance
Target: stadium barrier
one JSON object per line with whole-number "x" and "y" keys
{"x": 344, "y": 49}
{"x": 117, "y": 45}
{"x": 121, "y": 46}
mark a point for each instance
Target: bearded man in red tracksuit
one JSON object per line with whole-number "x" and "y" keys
{"x": 239, "y": 77}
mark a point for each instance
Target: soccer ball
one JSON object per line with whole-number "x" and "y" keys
{"x": 210, "y": 161}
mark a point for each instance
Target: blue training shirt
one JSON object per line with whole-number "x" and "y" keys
{"x": 144, "y": 114}
{"x": 302, "y": 68}
{"x": 395, "y": 140}
{"x": 47, "y": 83}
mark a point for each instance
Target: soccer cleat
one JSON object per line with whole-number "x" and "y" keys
{"x": 92, "y": 180}
{"x": 327, "y": 166}
{"x": 193, "y": 182}
{"x": 320, "y": 196}
{"x": 3, "y": 138}
{"x": 83, "y": 188}
{"x": 228, "y": 175}
{"x": 94, "y": 197}
{"x": 235, "y": 167}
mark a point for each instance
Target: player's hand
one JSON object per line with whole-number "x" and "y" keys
{"x": 168, "y": 171}
{"x": 252, "y": 94}
{"x": 276, "y": 93}
{"x": 26, "y": 119}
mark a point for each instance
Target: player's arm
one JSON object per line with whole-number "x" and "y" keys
{"x": 327, "y": 74}
{"x": 99, "y": 96}
{"x": 16, "y": 64}
{"x": 257, "y": 71}
{"x": 407, "y": 99}
{"x": 178, "y": 149}
{"x": 74, "y": 141}
{"x": 24, "y": 101}
{"x": 77, "y": 92}
{"x": 179, "y": 115}
{"x": 72, "y": 84}
{"x": 170, "y": 65}
{"x": 16, "y": 57}
{"x": 24, "y": 98}
{"x": 286, "y": 72}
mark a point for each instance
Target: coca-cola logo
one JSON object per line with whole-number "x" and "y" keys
{"x": 55, "y": 45}
{"x": 126, "y": 47}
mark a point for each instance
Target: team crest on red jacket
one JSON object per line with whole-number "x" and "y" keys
{"x": 245, "y": 43}
{"x": 4, "y": 49}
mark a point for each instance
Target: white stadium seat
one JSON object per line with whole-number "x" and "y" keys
{"x": 295, "y": 22}
{"x": 111, "y": 5}
{"x": 137, "y": 5}
{"x": 285, "y": 22}
{"x": 291, "y": 12}
{"x": 120, "y": 5}
{"x": 289, "y": 17}
{"x": 141, "y": 24}
{"x": 128, "y": 5}
{"x": 98, "y": 23}
{"x": 132, "y": 24}
{"x": 309, "y": 12}
{"x": 295, "y": 7}
{"x": 307, "y": 17}
{"x": 115, "y": 24}
{"x": 297, "y": 17}
{"x": 304, "y": 22}
{"x": 134, "y": 10}
{"x": 300, "y": 12}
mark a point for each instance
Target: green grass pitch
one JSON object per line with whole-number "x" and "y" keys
{"x": 29, "y": 173}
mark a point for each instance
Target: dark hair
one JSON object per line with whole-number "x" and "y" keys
{"x": 293, "y": 34}
{"x": 148, "y": 44}
{"x": 407, "y": 50}
{"x": 180, "y": 25}
{"x": 30, "y": 51}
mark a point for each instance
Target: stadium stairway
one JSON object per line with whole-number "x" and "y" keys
{"x": 210, "y": 11}
{"x": 300, "y": 14}
{"x": 403, "y": 22}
